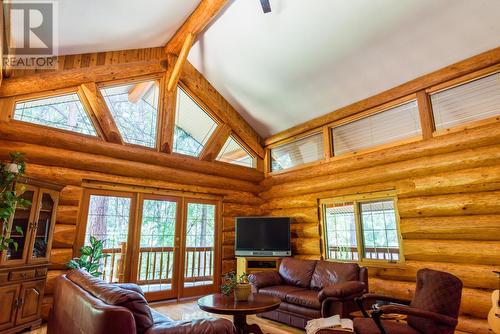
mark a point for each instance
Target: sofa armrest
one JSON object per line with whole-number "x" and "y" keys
{"x": 412, "y": 311}
{"x": 342, "y": 290}
{"x": 265, "y": 278}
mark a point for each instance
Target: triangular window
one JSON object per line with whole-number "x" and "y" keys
{"x": 193, "y": 126}
{"x": 64, "y": 112}
{"x": 232, "y": 152}
{"x": 135, "y": 110}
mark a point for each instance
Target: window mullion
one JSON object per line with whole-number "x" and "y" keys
{"x": 359, "y": 234}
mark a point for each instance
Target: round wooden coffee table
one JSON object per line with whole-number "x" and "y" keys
{"x": 257, "y": 303}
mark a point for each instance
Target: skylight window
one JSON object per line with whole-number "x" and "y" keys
{"x": 232, "y": 152}
{"x": 193, "y": 126}
{"x": 64, "y": 112}
{"x": 135, "y": 110}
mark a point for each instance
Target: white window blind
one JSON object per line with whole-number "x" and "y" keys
{"x": 469, "y": 102}
{"x": 384, "y": 127}
{"x": 304, "y": 150}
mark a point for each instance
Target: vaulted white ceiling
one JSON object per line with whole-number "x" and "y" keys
{"x": 306, "y": 58}
{"x": 105, "y": 25}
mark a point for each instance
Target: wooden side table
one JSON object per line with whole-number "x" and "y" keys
{"x": 257, "y": 303}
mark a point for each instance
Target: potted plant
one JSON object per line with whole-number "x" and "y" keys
{"x": 240, "y": 286}
{"x": 90, "y": 259}
{"x": 10, "y": 197}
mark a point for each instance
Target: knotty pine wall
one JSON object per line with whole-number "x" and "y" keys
{"x": 448, "y": 200}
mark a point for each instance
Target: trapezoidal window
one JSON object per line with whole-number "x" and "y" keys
{"x": 193, "y": 126}
{"x": 135, "y": 110}
{"x": 472, "y": 101}
{"x": 64, "y": 112}
{"x": 232, "y": 152}
{"x": 397, "y": 123}
{"x": 298, "y": 152}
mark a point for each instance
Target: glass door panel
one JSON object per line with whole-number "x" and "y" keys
{"x": 157, "y": 256}
{"x": 23, "y": 216}
{"x": 199, "y": 249}
{"x": 108, "y": 219}
{"x": 43, "y": 225}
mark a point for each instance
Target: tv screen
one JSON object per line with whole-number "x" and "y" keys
{"x": 263, "y": 236}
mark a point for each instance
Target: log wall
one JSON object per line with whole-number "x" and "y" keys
{"x": 449, "y": 203}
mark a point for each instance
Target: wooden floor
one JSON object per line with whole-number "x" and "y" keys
{"x": 188, "y": 309}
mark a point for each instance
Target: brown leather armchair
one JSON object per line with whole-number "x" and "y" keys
{"x": 433, "y": 309}
{"x": 85, "y": 304}
{"x": 311, "y": 289}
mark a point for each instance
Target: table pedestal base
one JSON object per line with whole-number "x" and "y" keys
{"x": 240, "y": 322}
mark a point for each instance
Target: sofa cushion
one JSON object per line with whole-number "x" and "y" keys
{"x": 300, "y": 310}
{"x": 279, "y": 291}
{"x": 297, "y": 272}
{"x": 114, "y": 295}
{"x": 265, "y": 278}
{"x": 327, "y": 273}
{"x": 306, "y": 298}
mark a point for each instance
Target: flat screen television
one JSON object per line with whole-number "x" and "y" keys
{"x": 263, "y": 236}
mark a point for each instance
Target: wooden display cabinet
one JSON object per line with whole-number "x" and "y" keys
{"x": 23, "y": 271}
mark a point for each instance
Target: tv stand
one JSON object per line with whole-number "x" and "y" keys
{"x": 251, "y": 265}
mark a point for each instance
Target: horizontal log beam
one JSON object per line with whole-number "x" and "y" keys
{"x": 98, "y": 163}
{"x": 424, "y": 166}
{"x": 45, "y": 81}
{"x": 453, "y": 251}
{"x": 472, "y": 227}
{"x": 73, "y": 142}
{"x": 482, "y": 203}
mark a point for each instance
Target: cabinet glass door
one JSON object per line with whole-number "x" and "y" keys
{"x": 22, "y": 218}
{"x": 44, "y": 223}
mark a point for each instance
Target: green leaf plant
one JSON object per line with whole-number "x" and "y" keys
{"x": 10, "y": 197}
{"x": 230, "y": 281}
{"x": 90, "y": 258}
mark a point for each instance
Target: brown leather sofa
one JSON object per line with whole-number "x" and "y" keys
{"x": 311, "y": 289}
{"x": 85, "y": 304}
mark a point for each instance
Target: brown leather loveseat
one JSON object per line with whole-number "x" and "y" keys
{"x": 311, "y": 289}
{"x": 85, "y": 304}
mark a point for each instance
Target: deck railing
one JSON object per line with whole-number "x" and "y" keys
{"x": 351, "y": 253}
{"x": 155, "y": 265}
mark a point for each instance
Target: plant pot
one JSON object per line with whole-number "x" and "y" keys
{"x": 242, "y": 291}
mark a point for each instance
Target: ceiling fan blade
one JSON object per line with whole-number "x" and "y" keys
{"x": 266, "y": 6}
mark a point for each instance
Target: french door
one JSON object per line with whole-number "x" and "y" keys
{"x": 169, "y": 245}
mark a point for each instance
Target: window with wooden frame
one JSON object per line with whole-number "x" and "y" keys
{"x": 468, "y": 102}
{"x": 64, "y": 111}
{"x": 361, "y": 228}
{"x": 193, "y": 125}
{"x": 390, "y": 125}
{"x": 235, "y": 153}
{"x": 298, "y": 152}
{"x": 134, "y": 107}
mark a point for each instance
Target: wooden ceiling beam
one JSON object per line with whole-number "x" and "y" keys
{"x": 181, "y": 60}
{"x": 74, "y": 70}
{"x": 206, "y": 11}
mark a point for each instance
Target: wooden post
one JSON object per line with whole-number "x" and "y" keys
{"x": 179, "y": 64}
{"x": 121, "y": 262}
{"x": 426, "y": 116}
